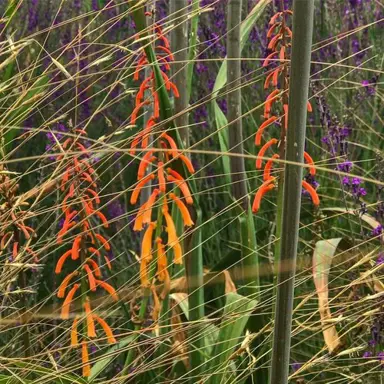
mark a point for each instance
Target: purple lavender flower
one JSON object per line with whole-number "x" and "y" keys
{"x": 377, "y": 231}
{"x": 367, "y": 354}
{"x": 380, "y": 258}
{"x": 346, "y": 166}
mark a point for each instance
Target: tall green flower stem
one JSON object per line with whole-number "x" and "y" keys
{"x": 235, "y": 141}
{"x": 179, "y": 48}
{"x": 297, "y": 114}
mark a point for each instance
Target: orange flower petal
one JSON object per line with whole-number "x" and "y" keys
{"x": 182, "y": 185}
{"x": 138, "y": 188}
{"x": 265, "y": 187}
{"x": 262, "y": 127}
{"x": 173, "y": 240}
{"x": 309, "y": 160}
{"x": 64, "y": 284}
{"x": 108, "y": 288}
{"x": 183, "y": 210}
{"x": 107, "y": 329}
{"x": 312, "y": 192}
{"x": 76, "y": 247}
{"x": 61, "y": 261}
{"x": 91, "y": 332}
{"x": 74, "y": 334}
{"x": 95, "y": 267}
{"x": 67, "y": 302}
{"x": 263, "y": 150}
{"x": 103, "y": 241}
{"x": 91, "y": 278}
{"x": 146, "y": 245}
{"x": 85, "y": 359}
{"x": 268, "y": 167}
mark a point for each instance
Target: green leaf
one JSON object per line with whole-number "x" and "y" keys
{"x": 108, "y": 357}
{"x": 235, "y": 317}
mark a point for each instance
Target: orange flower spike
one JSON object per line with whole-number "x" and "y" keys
{"x": 183, "y": 210}
{"x": 64, "y": 284}
{"x": 138, "y": 188}
{"x": 144, "y": 163}
{"x": 146, "y": 246}
{"x": 76, "y": 247}
{"x": 96, "y": 269}
{"x": 15, "y": 249}
{"x": 107, "y": 329}
{"x": 309, "y": 160}
{"x": 263, "y": 150}
{"x": 108, "y": 288}
{"x": 85, "y": 359}
{"x": 182, "y": 185}
{"x": 160, "y": 176}
{"x": 91, "y": 278}
{"x": 91, "y": 332}
{"x": 61, "y": 261}
{"x": 173, "y": 240}
{"x": 94, "y": 194}
{"x": 312, "y": 192}
{"x": 67, "y": 302}
{"x": 265, "y": 187}
{"x": 148, "y": 207}
{"x": 268, "y": 59}
{"x": 285, "y": 107}
{"x": 309, "y": 106}
{"x": 268, "y": 167}
{"x": 74, "y": 334}
{"x": 187, "y": 163}
{"x": 262, "y": 127}
{"x": 103, "y": 241}
{"x": 102, "y": 218}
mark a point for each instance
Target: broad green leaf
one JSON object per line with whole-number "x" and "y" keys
{"x": 109, "y": 356}
{"x": 323, "y": 255}
{"x": 235, "y": 317}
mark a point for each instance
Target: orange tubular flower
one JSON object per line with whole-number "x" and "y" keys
{"x": 162, "y": 271}
{"x": 262, "y": 127}
{"x": 91, "y": 278}
{"x": 268, "y": 167}
{"x": 263, "y": 150}
{"x": 187, "y": 163}
{"x": 312, "y": 192}
{"x": 138, "y": 188}
{"x": 85, "y": 359}
{"x": 182, "y": 185}
{"x": 146, "y": 247}
{"x": 265, "y": 187}
{"x": 148, "y": 206}
{"x": 74, "y": 334}
{"x": 75, "y": 247}
{"x": 108, "y": 288}
{"x": 144, "y": 163}
{"x": 309, "y": 160}
{"x": 91, "y": 332}
{"x": 183, "y": 210}
{"x": 61, "y": 261}
{"x": 67, "y": 302}
{"x": 160, "y": 176}
{"x": 64, "y": 284}
{"x": 95, "y": 267}
{"x": 15, "y": 249}
{"x": 103, "y": 241}
{"x": 107, "y": 329}
{"x": 173, "y": 240}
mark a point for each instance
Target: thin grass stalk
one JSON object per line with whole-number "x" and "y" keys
{"x": 179, "y": 47}
{"x": 298, "y": 95}
{"x": 192, "y": 45}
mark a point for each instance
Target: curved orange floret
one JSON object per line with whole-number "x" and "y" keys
{"x": 312, "y": 192}
{"x": 183, "y": 210}
{"x": 94, "y": 250}
{"x": 74, "y": 334}
{"x": 15, "y": 249}
{"x": 309, "y": 160}
{"x": 85, "y": 359}
{"x": 146, "y": 246}
{"x": 95, "y": 267}
{"x": 262, "y": 151}
{"x": 136, "y": 192}
{"x": 268, "y": 167}
{"x": 64, "y": 284}
{"x": 265, "y": 187}
{"x": 173, "y": 240}
{"x": 269, "y": 58}
{"x": 147, "y": 159}
{"x": 67, "y": 302}
{"x": 171, "y": 143}
{"x": 76, "y": 247}
{"x": 103, "y": 241}
{"x": 271, "y": 30}
{"x": 102, "y": 218}
{"x": 148, "y": 206}
{"x": 91, "y": 332}
{"x": 187, "y": 163}
{"x": 107, "y": 329}
{"x": 108, "y": 288}
{"x": 175, "y": 174}
{"x": 182, "y": 185}
{"x": 160, "y": 176}
{"x": 285, "y": 107}
{"x": 161, "y": 260}
{"x": 262, "y": 127}
{"x": 108, "y": 262}
{"x": 309, "y": 106}
{"x": 91, "y": 278}
{"x": 61, "y": 261}
{"x": 138, "y": 226}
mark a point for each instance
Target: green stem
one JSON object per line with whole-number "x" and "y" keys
{"x": 298, "y": 96}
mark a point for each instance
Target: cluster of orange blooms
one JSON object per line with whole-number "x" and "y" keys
{"x": 279, "y": 34}
{"x": 166, "y": 183}
{"x": 88, "y": 247}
